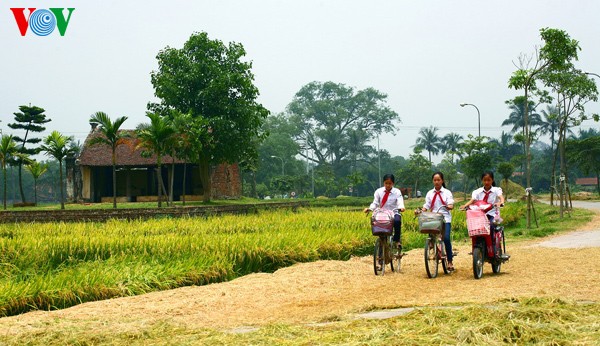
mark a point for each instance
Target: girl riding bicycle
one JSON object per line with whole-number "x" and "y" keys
{"x": 389, "y": 198}
{"x": 440, "y": 199}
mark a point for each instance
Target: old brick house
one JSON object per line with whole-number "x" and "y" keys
{"x": 89, "y": 177}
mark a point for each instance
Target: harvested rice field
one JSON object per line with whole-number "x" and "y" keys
{"x": 327, "y": 291}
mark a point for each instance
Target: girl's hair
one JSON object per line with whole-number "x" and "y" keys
{"x": 441, "y": 176}
{"x": 389, "y": 176}
{"x": 491, "y": 174}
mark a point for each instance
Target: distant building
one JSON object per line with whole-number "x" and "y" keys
{"x": 89, "y": 177}
{"x": 586, "y": 181}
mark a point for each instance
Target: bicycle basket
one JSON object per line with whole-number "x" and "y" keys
{"x": 382, "y": 222}
{"x": 430, "y": 222}
{"x": 477, "y": 223}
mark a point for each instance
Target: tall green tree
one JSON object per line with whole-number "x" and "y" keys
{"x": 37, "y": 170}
{"x": 156, "y": 138}
{"x": 8, "y": 151}
{"x": 111, "y": 135}
{"x": 30, "y": 119}
{"x": 556, "y": 54}
{"x": 56, "y": 145}
{"x": 429, "y": 140}
{"x": 335, "y": 121}
{"x": 210, "y": 80}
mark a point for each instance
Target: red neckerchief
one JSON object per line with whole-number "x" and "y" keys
{"x": 437, "y": 193}
{"x": 385, "y": 197}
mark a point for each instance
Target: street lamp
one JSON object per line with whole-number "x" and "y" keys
{"x": 282, "y": 164}
{"x": 478, "y": 116}
{"x": 592, "y": 73}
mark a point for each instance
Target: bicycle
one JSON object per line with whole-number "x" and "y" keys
{"x": 432, "y": 224}
{"x": 385, "y": 251}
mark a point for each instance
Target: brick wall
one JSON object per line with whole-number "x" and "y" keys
{"x": 226, "y": 181}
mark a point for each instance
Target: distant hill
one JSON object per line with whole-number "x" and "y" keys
{"x": 513, "y": 190}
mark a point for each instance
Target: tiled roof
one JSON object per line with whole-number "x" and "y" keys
{"x": 127, "y": 155}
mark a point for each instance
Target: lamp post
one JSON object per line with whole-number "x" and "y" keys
{"x": 282, "y": 164}
{"x": 592, "y": 73}
{"x": 478, "y": 117}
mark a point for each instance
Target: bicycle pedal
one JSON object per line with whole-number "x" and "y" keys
{"x": 455, "y": 253}
{"x": 470, "y": 254}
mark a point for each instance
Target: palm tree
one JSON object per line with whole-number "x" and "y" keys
{"x": 451, "y": 143}
{"x": 516, "y": 117}
{"x": 157, "y": 139}
{"x": 429, "y": 140}
{"x": 550, "y": 124}
{"x": 112, "y": 137}
{"x": 57, "y": 146}
{"x": 8, "y": 151}
{"x": 188, "y": 142}
{"x": 37, "y": 170}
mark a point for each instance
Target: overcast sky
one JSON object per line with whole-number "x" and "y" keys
{"x": 427, "y": 56}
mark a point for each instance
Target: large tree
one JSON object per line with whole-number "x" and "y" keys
{"x": 586, "y": 154}
{"x": 56, "y": 145}
{"x": 111, "y": 135}
{"x": 209, "y": 80}
{"x": 31, "y": 120}
{"x": 556, "y": 54}
{"x": 336, "y": 121}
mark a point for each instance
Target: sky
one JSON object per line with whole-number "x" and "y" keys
{"x": 427, "y": 56}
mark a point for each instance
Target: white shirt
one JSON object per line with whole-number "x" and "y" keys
{"x": 444, "y": 198}
{"x": 394, "y": 202}
{"x": 479, "y": 195}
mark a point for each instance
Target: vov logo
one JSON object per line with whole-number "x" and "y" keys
{"x": 42, "y": 22}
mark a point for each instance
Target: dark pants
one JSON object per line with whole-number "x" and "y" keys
{"x": 397, "y": 228}
{"x": 448, "y": 243}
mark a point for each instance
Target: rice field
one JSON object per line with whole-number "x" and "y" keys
{"x": 56, "y": 265}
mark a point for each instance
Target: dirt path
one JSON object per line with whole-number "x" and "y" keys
{"x": 329, "y": 290}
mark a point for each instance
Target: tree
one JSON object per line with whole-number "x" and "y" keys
{"x": 586, "y": 154}
{"x": 477, "y": 158}
{"x": 574, "y": 89}
{"x": 506, "y": 170}
{"x": 8, "y": 151}
{"x": 336, "y": 122}
{"x": 30, "y": 119}
{"x": 550, "y": 124}
{"x": 112, "y": 136}
{"x": 37, "y": 170}
{"x": 417, "y": 170}
{"x": 56, "y": 145}
{"x": 451, "y": 143}
{"x": 556, "y": 54}
{"x": 516, "y": 118}
{"x": 188, "y": 142}
{"x": 429, "y": 140}
{"x": 208, "y": 80}
{"x": 157, "y": 139}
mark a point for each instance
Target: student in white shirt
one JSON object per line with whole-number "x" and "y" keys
{"x": 435, "y": 200}
{"x": 389, "y": 198}
{"x": 490, "y": 194}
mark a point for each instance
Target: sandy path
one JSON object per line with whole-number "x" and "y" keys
{"x": 325, "y": 290}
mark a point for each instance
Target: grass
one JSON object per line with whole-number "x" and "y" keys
{"x": 527, "y": 321}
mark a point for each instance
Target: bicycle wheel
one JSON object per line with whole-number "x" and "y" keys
{"x": 378, "y": 258}
{"x": 442, "y": 256}
{"x": 396, "y": 255}
{"x": 477, "y": 262}
{"x": 431, "y": 257}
